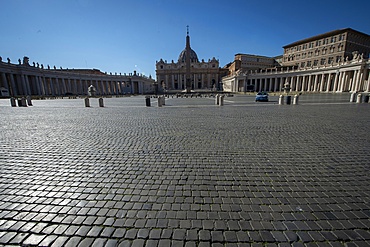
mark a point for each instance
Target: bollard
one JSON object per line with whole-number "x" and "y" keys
{"x": 12, "y": 102}
{"x": 221, "y": 100}
{"x": 87, "y": 102}
{"x": 217, "y": 100}
{"x": 366, "y": 99}
{"x": 288, "y": 99}
{"x": 159, "y": 102}
{"x": 352, "y": 98}
{"x": 359, "y": 98}
{"x": 101, "y": 102}
{"x": 281, "y": 100}
{"x": 295, "y": 99}
{"x": 24, "y": 103}
{"x": 163, "y": 100}
{"x": 29, "y": 100}
{"x": 147, "y": 101}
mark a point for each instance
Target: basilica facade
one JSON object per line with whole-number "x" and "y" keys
{"x": 188, "y": 73}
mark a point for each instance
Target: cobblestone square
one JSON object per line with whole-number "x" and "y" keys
{"x": 189, "y": 173}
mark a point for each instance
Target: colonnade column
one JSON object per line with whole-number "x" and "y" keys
{"x": 368, "y": 82}
{"x": 5, "y": 81}
{"x": 309, "y": 83}
{"x": 354, "y": 81}
{"x": 335, "y": 86}
{"x": 328, "y": 82}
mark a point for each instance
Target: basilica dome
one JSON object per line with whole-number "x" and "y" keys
{"x": 193, "y": 56}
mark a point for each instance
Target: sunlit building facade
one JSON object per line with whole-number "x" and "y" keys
{"x": 336, "y": 61}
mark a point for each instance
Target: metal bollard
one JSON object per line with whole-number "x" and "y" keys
{"x": 281, "y": 100}
{"x": 221, "y": 100}
{"x": 101, "y": 102}
{"x": 87, "y": 102}
{"x": 217, "y": 100}
{"x": 295, "y": 99}
{"x": 359, "y": 98}
{"x": 12, "y": 102}
{"x": 159, "y": 102}
{"x": 29, "y": 100}
{"x": 352, "y": 98}
{"x": 163, "y": 100}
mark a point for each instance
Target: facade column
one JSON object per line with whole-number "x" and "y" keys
{"x": 368, "y": 82}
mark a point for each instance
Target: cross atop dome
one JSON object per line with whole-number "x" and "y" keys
{"x": 187, "y": 30}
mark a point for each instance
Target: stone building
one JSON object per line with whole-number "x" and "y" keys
{"x": 328, "y": 48}
{"x": 188, "y": 73}
{"x": 24, "y": 79}
{"x": 245, "y": 62}
{"x": 336, "y": 61}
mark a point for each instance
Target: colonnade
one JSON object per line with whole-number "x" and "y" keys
{"x": 352, "y": 76}
{"x": 22, "y": 79}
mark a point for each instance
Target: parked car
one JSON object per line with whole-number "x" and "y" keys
{"x": 262, "y": 96}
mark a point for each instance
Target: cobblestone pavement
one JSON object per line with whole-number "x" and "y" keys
{"x": 186, "y": 174}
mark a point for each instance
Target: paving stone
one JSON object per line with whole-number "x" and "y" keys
{"x": 187, "y": 172}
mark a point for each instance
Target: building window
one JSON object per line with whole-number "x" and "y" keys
{"x": 332, "y": 49}
{"x": 308, "y": 63}
{"x": 322, "y": 61}
{"x": 302, "y": 64}
{"x": 324, "y": 51}
{"x": 340, "y": 47}
{"x": 311, "y": 45}
{"x": 317, "y": 52}
{"x": 338, "y": 59}
{"x": 330, "y": 60}
{"x": 315, "y": 62}
{"x": 161, "y": 66}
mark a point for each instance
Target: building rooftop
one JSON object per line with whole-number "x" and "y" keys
{"x": 327, "y": 34}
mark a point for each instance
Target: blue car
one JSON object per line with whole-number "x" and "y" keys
{"x": 262, "y": 96}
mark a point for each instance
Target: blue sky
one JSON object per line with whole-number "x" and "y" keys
{"x": 127, "y": 35}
